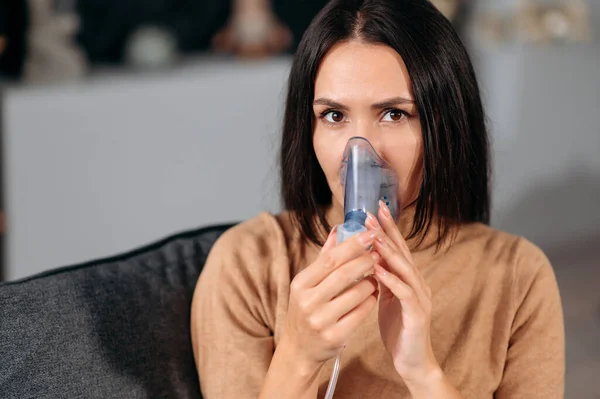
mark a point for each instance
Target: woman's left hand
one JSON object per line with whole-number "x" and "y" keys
{"x": 404, "y": 305}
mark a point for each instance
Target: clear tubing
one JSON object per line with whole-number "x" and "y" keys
{"x": 334, "y": 377}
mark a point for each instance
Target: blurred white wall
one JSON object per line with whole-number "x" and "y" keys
{"x": 543, "y": 103}
{"x": 100, "y": 167}
{"x": 547, "y": 171}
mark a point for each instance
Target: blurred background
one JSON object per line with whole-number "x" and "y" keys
{"x": 124, "y": 121}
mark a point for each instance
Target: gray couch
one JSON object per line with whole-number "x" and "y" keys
{"x": 112, "y": 328}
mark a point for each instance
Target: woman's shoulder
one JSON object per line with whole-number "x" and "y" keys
{"x": 525, "y": 259}
{"x": 266, "y": 236}
{"x": 262, "y": 232}
{"x": 245, "y": 256}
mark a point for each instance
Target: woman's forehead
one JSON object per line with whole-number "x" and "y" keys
{"x": 355, "y": 68}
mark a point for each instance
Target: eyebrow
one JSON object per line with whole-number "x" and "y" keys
{"x": 380, "y": 105}
{"x": 330, "y": 103}
{"x": 391, "y": 102}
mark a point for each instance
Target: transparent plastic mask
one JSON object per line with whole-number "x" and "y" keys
{"x": 366, "y": 179}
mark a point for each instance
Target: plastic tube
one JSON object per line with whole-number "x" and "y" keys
{"x": 334, "y": 376}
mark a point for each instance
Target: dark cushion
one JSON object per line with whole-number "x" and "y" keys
{"x": 114, "y": 328}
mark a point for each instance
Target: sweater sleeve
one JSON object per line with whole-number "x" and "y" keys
{"x": 535, "y": 362}
{"x": 231, "y": 319}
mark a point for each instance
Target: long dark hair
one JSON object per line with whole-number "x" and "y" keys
{"x": 455, "y": 187}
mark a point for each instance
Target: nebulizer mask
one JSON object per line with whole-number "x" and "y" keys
{"x": 366, "y": 179}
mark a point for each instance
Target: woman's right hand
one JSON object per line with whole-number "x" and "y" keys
{"x": 323, "y": 312}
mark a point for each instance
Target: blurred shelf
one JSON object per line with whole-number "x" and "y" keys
{"x": 190, "y": 65}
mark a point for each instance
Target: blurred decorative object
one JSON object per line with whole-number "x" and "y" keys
{"x": 53, "y": 54}
{"x": 151, "y": 47}
{"x": 565, "y": 21}
{"x": 568, "y": 21}
{"x": 14, "y": 21}
{"x": 253, "y": 29}
{"x": 447, "y": 7}
{"x": 496, "y": 28}
{"x": 113, "y": 30}
{"x": 253, "y": 34}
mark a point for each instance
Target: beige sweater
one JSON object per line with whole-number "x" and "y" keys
{"x": 497, "y": 325}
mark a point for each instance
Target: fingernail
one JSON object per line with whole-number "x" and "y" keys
{"x": 385, "y": 209}
{"x": 373, "y": 220}
{"x": 366, "y": 238}
{"x": 375, "y": 256}
{"x": 380, "y": 271}
{"x": 381, "y": 241}
{"x": 333, "y": 230}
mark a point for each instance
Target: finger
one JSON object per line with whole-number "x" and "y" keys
{"x": 390, "y": 228}
{"x": 345, "y": 302}
{"x": 400, "y": 266}
{"x": 353, "y": 319}
{"x": 399, "y": 243}
{"x": 330, "y": 260}
{"x": 406, "y": 295}
{"x": 372, "y": 223}
{"x": 330, "y": 241}
{"x": 344, "y": 277}
{"x": 416, "y": 312}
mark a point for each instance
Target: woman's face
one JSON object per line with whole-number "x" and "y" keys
{"x": 364, "y": 90}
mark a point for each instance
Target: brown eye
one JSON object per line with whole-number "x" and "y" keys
{"x": 334, "y": 117}
{"x": 394, "y": 115}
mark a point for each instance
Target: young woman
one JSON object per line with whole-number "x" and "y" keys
{"x": 451, "y": 309}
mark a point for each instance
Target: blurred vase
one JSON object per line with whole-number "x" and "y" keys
{"x": 52, "y": 54}
{"x": 151, "y": 47}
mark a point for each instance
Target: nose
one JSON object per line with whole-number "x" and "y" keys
{"x": 372, "y": 134}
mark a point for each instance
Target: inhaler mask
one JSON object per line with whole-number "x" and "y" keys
{"x": 366, "y": 179}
